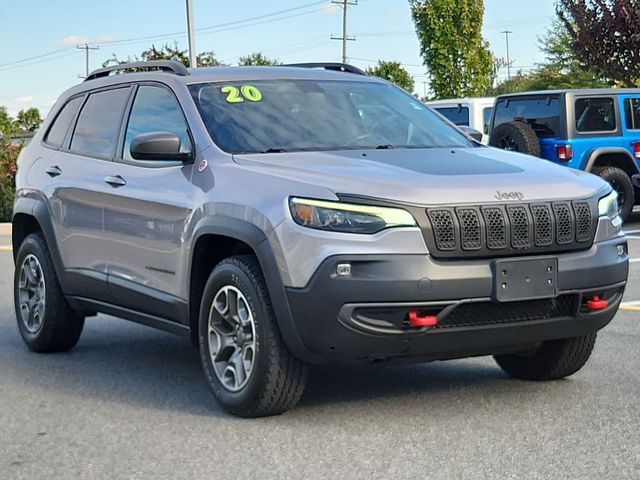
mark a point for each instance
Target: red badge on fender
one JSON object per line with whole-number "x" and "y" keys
{"x": 203, "y": 164}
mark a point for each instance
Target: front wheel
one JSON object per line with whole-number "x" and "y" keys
{"x": 621, "y": 183}
{"x": 45, "y": 320}
{"x": 248, "y": 366}
{"x": 551, "y": 360}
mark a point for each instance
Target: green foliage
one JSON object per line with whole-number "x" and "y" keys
{"x": 605, "y": 35}
{"x": 393, "y": 71}
{"x": 8, "y": 157}
{"x": 168, "y": 52}
{"x": 28, "y": 120}
{"x": 258, "y": 59}
{"x": 458, "y": 59}
{"x": 7, "y": 125}
{"x": 559, "y": 70}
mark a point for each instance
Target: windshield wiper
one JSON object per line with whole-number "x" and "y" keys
{"x": 274, "y": 150}
{"x": 385, "y": 147}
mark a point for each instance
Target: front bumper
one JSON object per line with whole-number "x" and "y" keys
{"x": 362, "y": 317}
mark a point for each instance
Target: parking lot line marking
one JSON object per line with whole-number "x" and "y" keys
{"x": 634, "y": 260}
{"x": 631, "y": 231}
{"x": 626, "y": 306}
{"x": 6, "y": 247}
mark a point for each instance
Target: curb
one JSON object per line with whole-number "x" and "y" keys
{"x": 5, "y": 229}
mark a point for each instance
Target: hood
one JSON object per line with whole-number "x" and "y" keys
{"x": 430, "y": 176}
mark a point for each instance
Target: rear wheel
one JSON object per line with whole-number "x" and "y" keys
{"x": 45, "y": 320}
{"x": 621, "y": 183}
{"x": 250, "y": 370}
{"x": 550, "y": 360}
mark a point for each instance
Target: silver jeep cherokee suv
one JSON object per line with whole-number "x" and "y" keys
{"x": 285, "y": 216}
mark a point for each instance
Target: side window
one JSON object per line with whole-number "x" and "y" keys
{"x": 632, "y": 113}
{"x": 486, "y": 119}
{"x": 458, "y": 115}
{"x": 595, "y": 115}
{"x": 58, "y": 130}
{"x": 98, "y": 125}
{"x": 155, "y": 110}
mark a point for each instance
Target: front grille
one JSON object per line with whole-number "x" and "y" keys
{"x": 491, "y": 313}
{"x": 504, "y": 230}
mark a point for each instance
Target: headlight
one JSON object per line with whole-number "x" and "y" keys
{"x": 608, "y": 206}
{"x": 347, "y": 217}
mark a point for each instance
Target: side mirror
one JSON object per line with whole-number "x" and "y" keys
{"x": 162, "y": 146}
{"x": 471, "y": 132}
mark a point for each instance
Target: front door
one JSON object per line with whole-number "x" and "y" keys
{"x": 145, "y": 217}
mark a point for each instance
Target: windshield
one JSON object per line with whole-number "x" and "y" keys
{"x": 296, "y": 115}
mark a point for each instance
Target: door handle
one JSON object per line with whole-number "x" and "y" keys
{"x": 53, "y": 170}
{"x": 115, "y": 181}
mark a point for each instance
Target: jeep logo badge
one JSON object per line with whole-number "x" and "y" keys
{"x": 508, "y": 195}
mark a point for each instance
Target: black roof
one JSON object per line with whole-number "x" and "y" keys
{"x": 575, "y": 92}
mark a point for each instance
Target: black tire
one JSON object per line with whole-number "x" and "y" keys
{"x": 515, "y": 136}
{"x": 277, "y": 379}
{"x": 551, "y": 360}
{"x": 621, "y": 183}
{"x": 60, "y": 327}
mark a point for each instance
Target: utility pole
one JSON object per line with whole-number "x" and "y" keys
{"x": 192, "y": 37}
{"x": 86, "y": 49}
{"x": 506, "y": 37}
{"x": 345, "y": 38}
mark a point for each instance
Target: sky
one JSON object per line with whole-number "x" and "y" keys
{"x": 39, "y": 58}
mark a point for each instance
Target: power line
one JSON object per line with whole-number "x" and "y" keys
{"x": 344, "y": 38}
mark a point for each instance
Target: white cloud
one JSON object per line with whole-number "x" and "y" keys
{"x": 75, "y": 40}
{"x": 330, "y": 8}
{"x": 104, "y": 38}
{"x": 27, "y": 99}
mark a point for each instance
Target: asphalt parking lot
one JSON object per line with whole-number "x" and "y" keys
{"x": 131, "y": 402}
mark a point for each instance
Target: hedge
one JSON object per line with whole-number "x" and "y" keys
{"x": 8, "y": 157}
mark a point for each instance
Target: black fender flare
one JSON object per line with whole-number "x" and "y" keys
{"x": 254, "y": 237}
{"x": 38, "y": 210}
{"x": 596, "y": 153}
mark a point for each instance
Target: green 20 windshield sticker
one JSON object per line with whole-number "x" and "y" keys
{"x": 239, "y": 95}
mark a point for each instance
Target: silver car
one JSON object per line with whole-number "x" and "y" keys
{"x": 286, "y": 216}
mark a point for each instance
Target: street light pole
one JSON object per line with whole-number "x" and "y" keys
{"x": 506, "y": 37}
{"x": 192, "y": 38}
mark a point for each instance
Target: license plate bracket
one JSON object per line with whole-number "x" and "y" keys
{"x": 525, "y": 279}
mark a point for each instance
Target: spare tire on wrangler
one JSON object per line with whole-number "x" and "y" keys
{"x": 515, "y": 136}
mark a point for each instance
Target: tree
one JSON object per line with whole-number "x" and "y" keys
{"x": 7, "y": 125}
{"x": 168, "y": 52}
{"x": 257, "y": 59}
{"x": 458, "y": 59}
{"x": 605, "y": 36}
{"x": 560, "y": 68}
{"x": 28, "y": 120}
{"x": 392, "y": 71}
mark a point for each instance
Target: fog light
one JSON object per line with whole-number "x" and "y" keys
{"x": 343, "y": 269}
{"x": 621, "y": 250}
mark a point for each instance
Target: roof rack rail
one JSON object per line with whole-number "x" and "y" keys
{"x": 171, "y": 66}
{"x": 338, "y": 67}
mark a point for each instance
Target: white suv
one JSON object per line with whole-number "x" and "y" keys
{"x": 472, "y": 112}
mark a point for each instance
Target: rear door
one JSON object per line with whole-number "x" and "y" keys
{"x": 75, "y": 171}
{"x": 630, "y": 111}
{"x": 145, "y": 218}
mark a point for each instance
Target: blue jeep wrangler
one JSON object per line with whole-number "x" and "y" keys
{"x": 596, "y": 130}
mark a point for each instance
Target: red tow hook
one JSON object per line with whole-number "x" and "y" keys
{"x": 417, "y": 320}
{"x": 597, "y": 303}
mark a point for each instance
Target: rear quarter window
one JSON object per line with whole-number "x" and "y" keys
{"x": 595, "y": 115}
{"x": 541, "y": 113}
{"x": 457, "y": 115}
{"x": 60, "y": 126}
